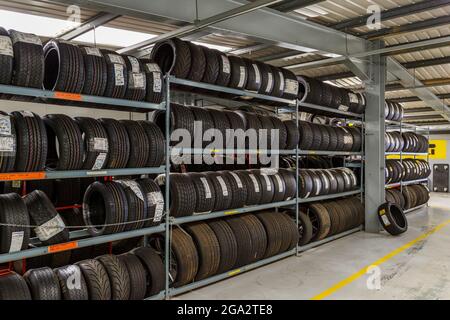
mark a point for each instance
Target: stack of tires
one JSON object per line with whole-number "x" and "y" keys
{"x": 308, "y": 162}
{"x": 197, "y": 193}
{"x": 315, "y": 136}
{"x": 393, "y": 111}
{"x": 405, "y": 142}
{"x": 59, "y": 142}
{"x": 409, "y": 197}
{"x": 320, "y": 182}
{"x": 320, "y": 93}
{"x": 406, "y": 170}
{"x": 186, "y": 60}
{"x": 135, "y": 275}
{"x": 323, "y": 219}
{"x": 203, "y": 249}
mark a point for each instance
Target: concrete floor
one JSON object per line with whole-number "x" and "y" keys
{"x": 422, "y": 271}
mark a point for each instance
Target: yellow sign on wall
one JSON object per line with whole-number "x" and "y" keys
{"x": 438, "y": 149}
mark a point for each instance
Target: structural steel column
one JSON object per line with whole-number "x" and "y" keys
{"x": 374, "y": 139}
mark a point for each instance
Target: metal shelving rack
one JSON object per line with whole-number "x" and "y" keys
{"x": 81, "y": 238}
{"x": 400, "y": 125}
{"x": 289, "y": 106}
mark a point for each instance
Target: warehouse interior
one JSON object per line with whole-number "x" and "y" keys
{"x": 341, "y": 193}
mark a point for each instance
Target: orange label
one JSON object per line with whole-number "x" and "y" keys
{"x": 22, "y": 176}
{"x": 63, "y": 247}
{"x": 68, "y": 96}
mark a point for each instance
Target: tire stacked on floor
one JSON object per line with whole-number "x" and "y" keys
{"x": 319, "y": 93}
{"x": 410, "y": 197}
{"x": 406, "y": 170}
{"x": 319, "y": 182}
{"x": 393, "y": 111}
{"x": 320, "y": 220}
{"x": 315, "y": 136}
{"x": 186, "y": 60}
{"x": 203, "y": 249}
{"x": 29, "y": 143}
{"x": 135, "y": 275}
{"x": 405, "y": 142}
{"x": 195, "y": 193}
{"x": 122, "y": 205}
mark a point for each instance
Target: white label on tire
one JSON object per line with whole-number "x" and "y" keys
{"x": 223, "y": 186}
{"x": 116, "y": 59}
{"x": 135, "y": 66}
{"x": 138, "y": 80}
{"x": 269, "y": 82}
{"x": 225, "y": 64}
{"x": 50, "y": 229}
{"x": 257, "y": 73}
{"x": 353, "y": 97}
{"x": 99, "y": 162}
{"x": 27, "y": 114}
{"x": 280, "y": 183}
{"x": 152, "y": 67}
{"x": 93, "y": 51}
{"x": 157, "y": 199}
{"x": 25, "y": 37}
{"x": 268, "y": 182}
{"x": 5, "y": 125}
{"x": 255, "y": 182}
{"x": 281, "y": 81}
{"x": 343, "y": 108}
{"x": 6, "y": 47}
{"x": 291, "y": 86}
{"x": 157, "y": 83}
{"x": 238, "y": 180}
{"x": 7, "y": 144}
{"x": 348, "y": 139}
{"x": 242, "y": 74}
{"x": 208, "y": 194}
{"x": 119, "y": 75}
{"x": 16, "y": 241}
{"x": 134, "y": 186}
{"x": 385, "y": 219}
{"x": 100, "y": 144}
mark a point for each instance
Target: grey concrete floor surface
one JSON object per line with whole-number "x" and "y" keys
{"x": 422, "y": 271}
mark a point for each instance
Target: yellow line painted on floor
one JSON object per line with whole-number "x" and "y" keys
{"x": 390, "y": 255}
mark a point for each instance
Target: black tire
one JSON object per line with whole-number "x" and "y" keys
{"x": 204, "y": 190}
{"x": 8, "y": 140}
{"x": 96, "y": 278}
{"x": 238, "y": 189}
{"x": 156, "y": 141}
{"x": 155, "y": 201}
{"x": 253, "y": 187}
{"x": 14, "y": 287}
{"x": 305, "y": 229}
{"x": 185, "y": 257}
{"x": 96, "y": 143}
{"x": 139, "y": 144}
{"x": 222, "y": 191}
{"x": 392, "y": 218}
{"x": 291, "y": 86}
{"x": 214, "y": 72}
{"x": 137, "y": 204}
{"x": 51, "y": 229}
{"x": 227, "y": 243}
{"x": 181, "y": 117}
{"x": 239, "y": 73}
{"x": 13, "y": 211}
{"x": 278, "y": 86}
{"x": 293, "y": 135}
{"x": 64, "y": 67}
{"x": 118, "y": 276}
{"x": 173, "y": 56}
{"x": 65, "y": 131}
{"x": 244, "y": 239}
{"x": 96, "y": 71}
{"x": 105, "y": 208}
{"x": 182, "y": 194}
{"x": 290, "y": 182}
{"x": 273, "y": 233}
{"x": 117, "y": 83}
{"x": 267, "y": 82}
{"x": 282, "y": 132}
{"x": 258, "y": 235}
{"x": 320, "y": 220}
{"x": 43, "y": 284}
{"x": 306, "y": 135}
{"x": 154, "y": 81}
{"x": 154, "y": 269}
{"x": 29, "y": 62}
{"x": 222, "y": 124}
{"x": 119, "y": 143}
{"x": 6, "y": 58}
{"x": 136, "y": 79}
{"x": 72, "y": 283}
{"x": 137, "y": 274}
{"x": 254, "y": 75}
{"x": 31, "y": 142}
{"x": 198, "y": 62}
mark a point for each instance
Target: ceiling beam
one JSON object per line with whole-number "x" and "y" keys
{"x": 392, "y": 13}
{"x": 428, "y": 83}
{"x": 410, "y": 27}
{"x": 417, "y": 99}
{"x": 295, "y": 5}
{"x": 94, "y": 22}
